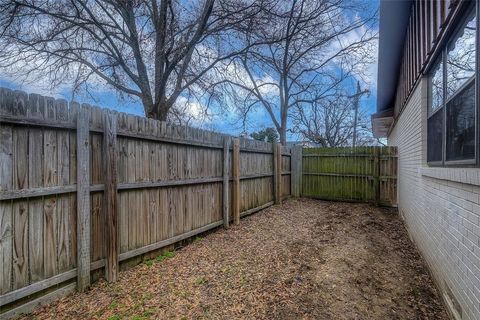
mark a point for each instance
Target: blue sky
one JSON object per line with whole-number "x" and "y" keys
{"x": 228, "y": 123}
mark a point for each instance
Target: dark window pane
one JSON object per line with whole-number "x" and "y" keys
{"x": 461, "y": 56}
{"x": 436, "y": 87}
{"x": 434, "y": 139}
{"x": 461, "y": 125}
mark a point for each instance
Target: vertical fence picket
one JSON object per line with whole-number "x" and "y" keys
{"x": 297, "y": 163}
{"x": 111, "y": 197}
{"x": 6, "y": 176}
{"x": 226, "y": 181}
{"x": 20, "y": 207}
{"x": 236, "y": 181}
{"x": 36, "y": 110}
{"x": 277, "y": 167}
{"x": 376, "y": 175}
{"x": 83, "y": 200}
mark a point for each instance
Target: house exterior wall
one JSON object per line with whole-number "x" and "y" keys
{"x": 441, "y": 209}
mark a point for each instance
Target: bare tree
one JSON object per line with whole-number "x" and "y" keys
{"x": 330, "y": 122}
{"x": 318, "y": 44}
{"x": 155, "y": 50}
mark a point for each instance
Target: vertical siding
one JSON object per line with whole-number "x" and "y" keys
{"x": 442, "y": 216}
{"x": 427, "y": 22}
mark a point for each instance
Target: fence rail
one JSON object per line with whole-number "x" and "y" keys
{"x": 83, "y": 188}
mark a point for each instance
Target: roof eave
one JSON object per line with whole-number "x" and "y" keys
{"x": 382, "y": 122}
{"x": 394, "y": 17}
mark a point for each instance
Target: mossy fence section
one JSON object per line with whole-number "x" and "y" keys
{"x": 363, "y": 174}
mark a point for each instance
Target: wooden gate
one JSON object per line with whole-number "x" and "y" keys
{"x": 363, "y": 174}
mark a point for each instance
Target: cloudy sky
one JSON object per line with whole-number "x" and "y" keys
{"x": 226, "y": 123}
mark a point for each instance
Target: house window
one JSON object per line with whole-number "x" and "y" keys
{"x": 452, "y": 127}
{"x": 435, "y": 114}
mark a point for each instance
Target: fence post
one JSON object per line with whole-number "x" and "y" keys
{"x": 83, "y": 199}
{"x": 111, "y": 196}
{"x": 226, "y": 181}
{"x": 236, "y": 180}
{"x": 296, "y": 165}
{"x": 376, "y": 176}
{"x": 279, "y": 172}
{"x": 277, "y": 175}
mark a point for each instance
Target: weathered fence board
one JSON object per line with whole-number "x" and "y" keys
{"x": 277, "y": 173}
{"x": 83, "y": 202}
{"x": 111, "y": 198}
{"x": 296, "y": 166}
{"x": 226, "y": 182}
{"x": 365, "y": 174}
{"x": 58, "y": 185}
{"x": 236, "y": 181}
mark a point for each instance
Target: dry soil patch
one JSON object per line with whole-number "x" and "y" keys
{"x": 306, "y": 259}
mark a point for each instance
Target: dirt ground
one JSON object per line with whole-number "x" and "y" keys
{"x": 305, "y": 259}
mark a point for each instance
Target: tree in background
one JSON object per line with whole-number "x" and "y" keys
{"x": 268, "y": 134}
{"x": 155, "y": 50}
{"x": 314, "y": 46}
{"x": 329, "y": 122}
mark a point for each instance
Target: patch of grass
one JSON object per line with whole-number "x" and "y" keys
{"x": 160, "y": 258}
{"x": 149, "y": 262}
{"x": 200, "y": 280}
{"x": 148, "y": 313}
{"x": 114, "y": 317}
{"x": 166, "y": 255}
{"x": 169, "y": 254}
{"x": 183, "y": 294}
{"x": 197, "y": 238}
{"x": 243, "y": 279}
{"x": 113, "y": 304}
{"x": 144, "y": 316}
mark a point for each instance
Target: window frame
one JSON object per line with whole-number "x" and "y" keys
{"x": 439, "y": 59}
{"x": 443, "y": 56}
{"x": 477, "y": 85}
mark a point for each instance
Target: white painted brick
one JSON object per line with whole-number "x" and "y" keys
{"x": 441, "y": 208}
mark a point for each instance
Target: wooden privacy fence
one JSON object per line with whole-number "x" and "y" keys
{"x": 82, "y": 189}
{"x": 365, "y": 174}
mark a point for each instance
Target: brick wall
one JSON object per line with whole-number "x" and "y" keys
{"x": 441, "y": 209}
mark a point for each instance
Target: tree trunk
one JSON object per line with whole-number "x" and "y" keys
{"x": 162, "y": 115}
{"x": 283, "y": 135}
{"x": 163, "y": 107}
{"x": 148, "y": 106}
{"x": 158, "y": 110}
{"x": 283, "y": 126}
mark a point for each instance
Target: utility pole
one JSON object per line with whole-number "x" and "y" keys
{"x": 356, "y": 102}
